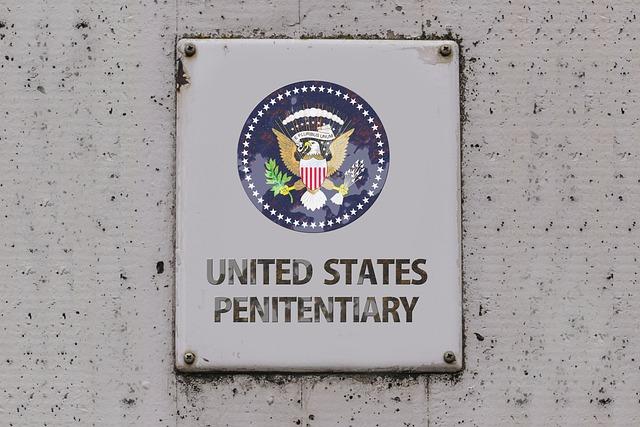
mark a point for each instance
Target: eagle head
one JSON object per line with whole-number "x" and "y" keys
{"x": 313, "y": 148}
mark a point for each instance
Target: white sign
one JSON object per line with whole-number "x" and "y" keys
{"x": 318, "y": 206}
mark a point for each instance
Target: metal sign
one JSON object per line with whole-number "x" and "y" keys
{"x": 318, "y": 206}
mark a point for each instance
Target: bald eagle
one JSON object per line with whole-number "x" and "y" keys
{"x": 313, "y": 163}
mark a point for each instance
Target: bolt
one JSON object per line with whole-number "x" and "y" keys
{"x": 445, "y": 50}
{"x": 189, "y": 358}
{"x": 189, "y": 49}
{"x": 449, "y": 356}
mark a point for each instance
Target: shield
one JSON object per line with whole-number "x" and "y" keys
{"x": 313, "y": 172}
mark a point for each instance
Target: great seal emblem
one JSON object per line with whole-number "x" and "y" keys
{"x": 313, "y": 156}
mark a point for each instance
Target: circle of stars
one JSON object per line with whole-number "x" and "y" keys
{"x": 338, "y": 220}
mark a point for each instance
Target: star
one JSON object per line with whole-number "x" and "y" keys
{"x": 251, "y": 186}
{"x": 280, "y": 97}
{"x": 359, "y": 107}
{"x": 321, "y": 224}
{"x": 246, "y": 143}
{"x": 370, "y": 119}
{"x": 296, "y": 90}
{"x": 260, "y": 200}
{"x": 365, "y": 200}
{"x": 304, "y": 224}
{"x": 360, "y": 206}
{"x": 374, "y": 127}
{"x": 247, "y": 135}
{"x": 381, "y": 152}
{"x": 381, "y": 161}
{"x": 255, "y": 120}
{"x": 378, "y": 177}
{"x": 248, "y": 177}
{"x": 380, "y": 168}
{"x": 378, "y": 135}
{"x": 380, "y": 144}
{"x": 330, "y": 90}
{"x": 273, "y": 211}
{"x": 370, "y": 193}
{"x": 338, "y": 220}
{"x": 288, "y": 93}
{"x": 272, "y": 102}
{"x": 365, "y": 113}
{"x": 265, "y": 107}
{"x": 245, "y": 161}
{"x": 260, "y": 113}
{"x": 266, "y": 206}
{"x": 245, "y": 153}
{"x": 313, "y": 88}
{"x": 346, "y": 217}
{"x": 374, "y": 186}
{"x": 330, "y": 222}
{"x": 352, "y": 102}
{"x": 353, "y": 211}
{"x": 338, "y": 93}
{"x": 296, "y": 223}
{"x": 245, "y": 169}
{"x": 345, "y": 97}
{"x": 288, "y": 220}
{"x": 280, "y": 216}
{"x": 255, "y": 194}
{"x": 313, "y": 225}
{"x": 321, "y": 88}
{"x": 251, "y": 128}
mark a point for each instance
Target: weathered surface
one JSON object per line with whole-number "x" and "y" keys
{"x": 551, "y": 191}
{"x": 86, "y": 196}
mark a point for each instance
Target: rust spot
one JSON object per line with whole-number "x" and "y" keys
{"x": 181, "y": 76}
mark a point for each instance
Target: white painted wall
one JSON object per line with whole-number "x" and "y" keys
{"x": 551, "y": 191}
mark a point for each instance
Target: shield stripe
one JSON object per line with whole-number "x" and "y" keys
{"x": 313, "y": 176}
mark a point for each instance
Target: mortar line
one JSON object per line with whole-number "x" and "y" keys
{"x": 175, "y": 129}
{"x": 302, "y": 408}
{"x": 299, "y": 17}
{"x": 426, "y": 377}
{"x": 428, "y": 399}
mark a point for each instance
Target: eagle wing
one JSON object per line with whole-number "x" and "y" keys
{"x": 287, "y": 152}
{"x": 339, "y": 152}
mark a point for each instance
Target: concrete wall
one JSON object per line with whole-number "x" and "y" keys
{"x": 551, "y": 194}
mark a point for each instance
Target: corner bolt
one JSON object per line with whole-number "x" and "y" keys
{"x": 449, "y": 356}
{"x": 445, "y": 50}
{"x": 189, "y": 49}
{"x": 189, "y": 358}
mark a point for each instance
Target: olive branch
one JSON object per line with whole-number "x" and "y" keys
{"x": 276, "y": 179}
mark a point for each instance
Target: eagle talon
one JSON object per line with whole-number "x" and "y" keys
{"x": 343, "y": 190}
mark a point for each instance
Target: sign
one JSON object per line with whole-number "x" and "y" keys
{"x": 318, "y": 206}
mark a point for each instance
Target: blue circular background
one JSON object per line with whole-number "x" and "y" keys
{"x": 367, "y": 143}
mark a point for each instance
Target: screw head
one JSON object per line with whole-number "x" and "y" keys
{"x": 449, "y": 356}
{"x": 189, "y": 358}
{"x": 445, "y": 50}
{"x": 189, "y": 49}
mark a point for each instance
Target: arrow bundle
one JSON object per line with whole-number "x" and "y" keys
{"x": 351, "y": 176}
